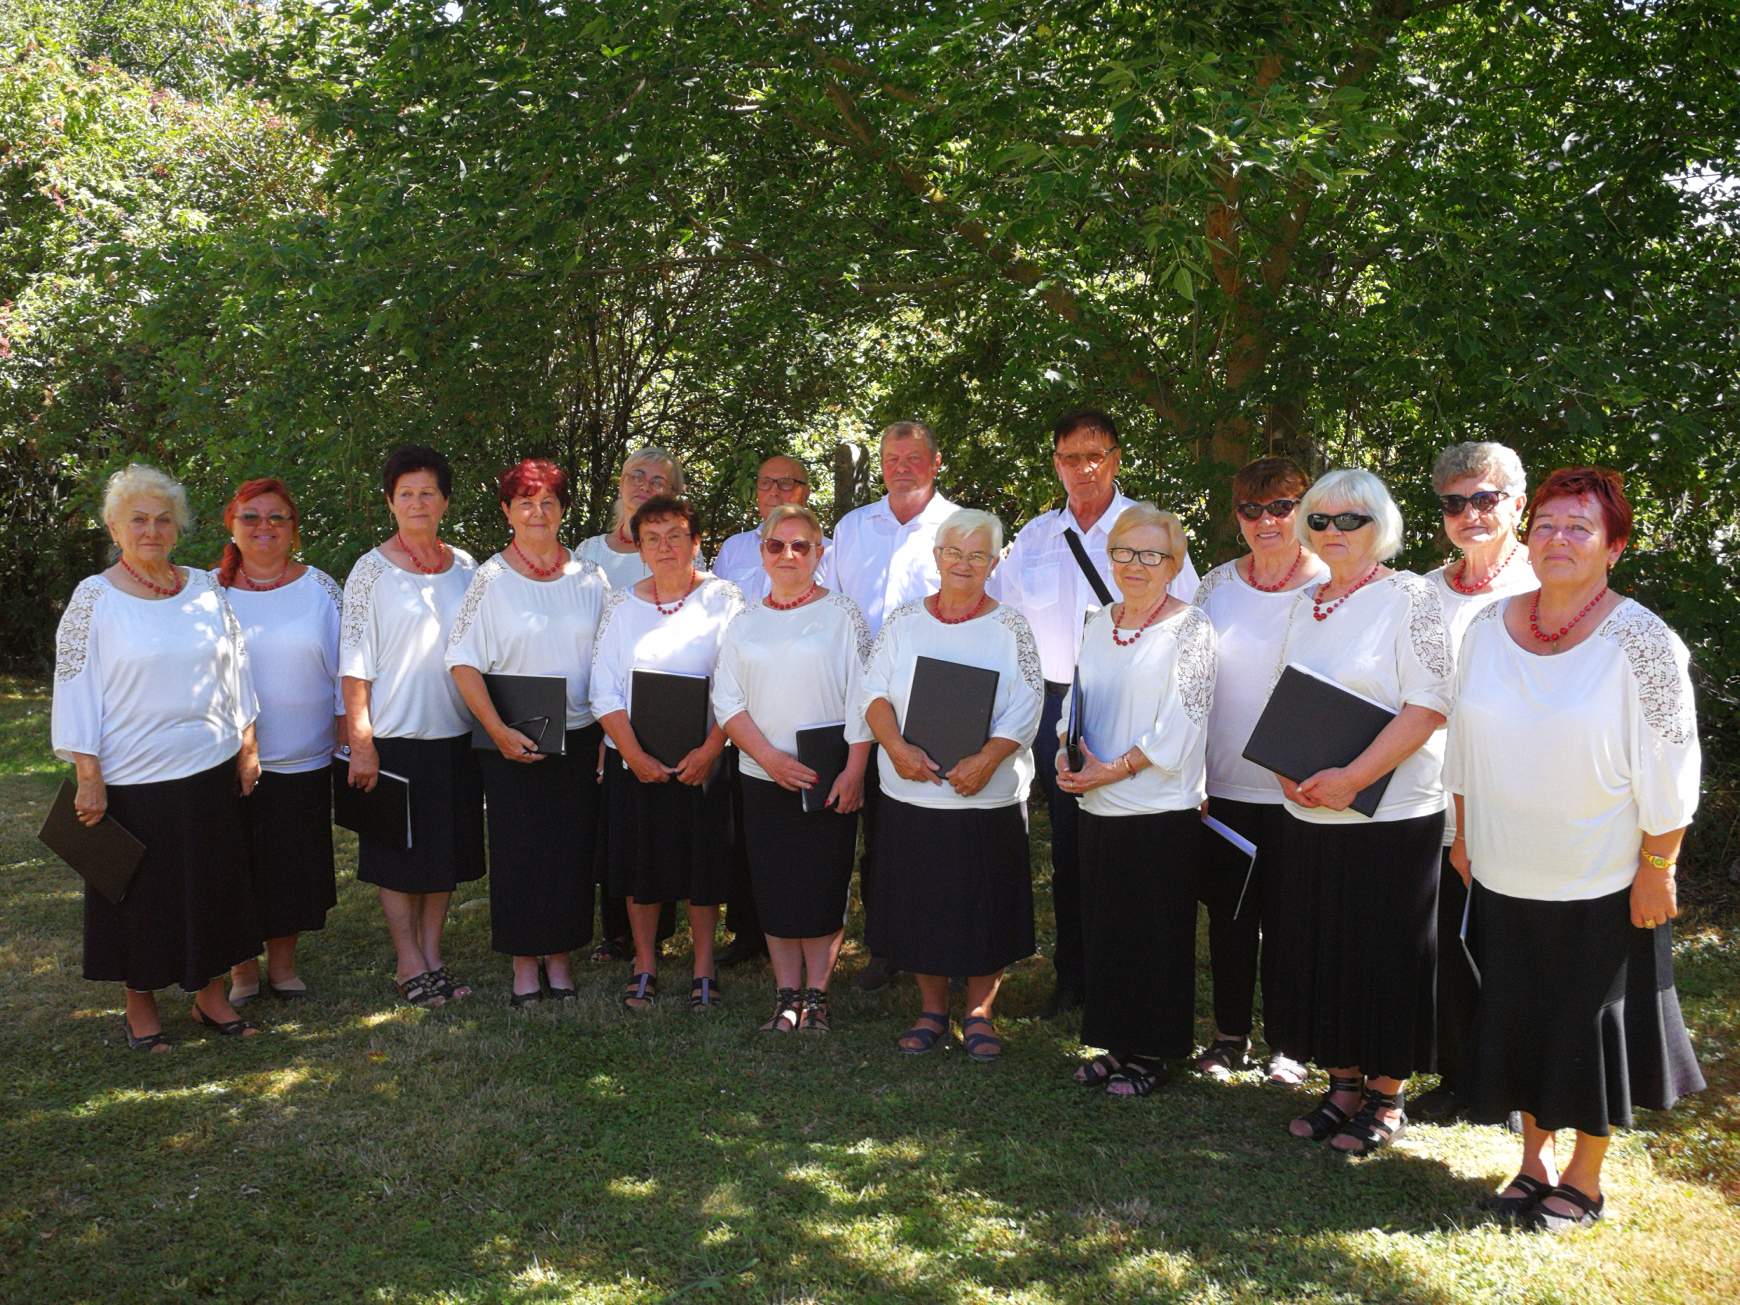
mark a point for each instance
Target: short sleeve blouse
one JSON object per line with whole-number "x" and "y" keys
{"x": 394, "y": 634}
{"x": 292, "y": 639}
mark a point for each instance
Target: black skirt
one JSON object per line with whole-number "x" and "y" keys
{"x": 799, "y": 862}
{"x": 1138, "y": 886}
{"x": 669, "y": 842}
{"x": 1364, "y": 989}
{"x": 446, "y": 819}
{"x": 190, "y": 913}
{"x": 289, "y": 824}
{"x": 1578, "y": 1022}
{"x": 543, "y": 822}
{"x": 954, "y": 894}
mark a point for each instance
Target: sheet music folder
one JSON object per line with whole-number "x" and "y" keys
{"x": 668, "y": 711}
{"x": 383, "y": 813}
{"x": 1311, "y": 724}
{"x": 1076, "y": 726}
{"x": 105, "y": 855}
{"x": 823, "y": 749}
{"x": 535, "y": 705}
{"x": 948, "y": 712}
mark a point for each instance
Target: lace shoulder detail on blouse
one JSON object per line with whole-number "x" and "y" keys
{"x": 1196, "y": 664}
{"x": 72, "y": 642}
{"x": 1648, "y": 645}
{"x": 1026, "y": 650}
{"x": 860, "y": 627}
{"x": 1220, "y": 575}
{"x": 904, "y": 612}
{"x": 1426, "y": 628}
{"x": 232, "y": 625}
{"x": 617, "y": 598}
{"x": 328, "y": 586}
{"x": 359, "y": 595}
{"x": 474, "y": 593}
{"x": 735, "y": 603}
{"x": 1490, "y": 612}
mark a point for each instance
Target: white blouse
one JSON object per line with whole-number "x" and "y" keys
{"x": 620, "y": 569}
{"x": 739, "y": 561}
{"x": 1249, "y": 625}
{"x": 634, "y": 635}
{"x": 153, "y": 688}
{"x": 510, "y": 624}
{"x": 393, "y": 635}
{"x": 1565, "y": 761}
{"x": 1387, "y": 642}
{"x": 1155, "y": 694}
{"x": 291, "y": 635}
{"x": 1001, "y": 642}
{"x": 790, "y": 669}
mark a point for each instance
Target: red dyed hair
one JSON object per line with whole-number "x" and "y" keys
{"x": 532, "y": 476}
{"x": 1603, "y": 484}
{"x": 231, "y": 561}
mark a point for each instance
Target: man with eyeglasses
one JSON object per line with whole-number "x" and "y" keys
{"x": 884, "y": 559}
{"x": 1042, "y": 580}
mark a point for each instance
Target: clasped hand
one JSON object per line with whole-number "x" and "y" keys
{"x": 1333, "y": 789}
{"x": 1093, "y": 774}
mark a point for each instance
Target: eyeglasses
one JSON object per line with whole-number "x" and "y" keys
{"x": 1576, "y": 532}
{"x": 953, "y": 556}
{"x": 251, "y": 520}
{"x": 1485, "y": 500}
{"x": 1341, "y": 520}
{"x": 1146, "y": 556}
{"x": 784, "y": 484}
{"x": 637, "y": 477}
{"x": 1280, "y": 509}
{"x": 1087, "y": 461}
{"x": 776, "y": 547}
{"x": 675, "y": 538}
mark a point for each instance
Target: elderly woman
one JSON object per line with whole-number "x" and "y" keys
{"x": 1364, "y": 990}
{"x": 533, "y": 609}
{"x": 1573, "y": 862}
{"x": 1480, "y": 489}
{"x": 953, "y": 889}
{"x": 1146, "y": 677}
{"x": 154, "y": 707}
{"x": 1247, "y": 600}
{"x": 289, "y": 616}
{"x": 669, "y": 825}
{"x": 787, "y": 663}
{"x": 404, "y": 715}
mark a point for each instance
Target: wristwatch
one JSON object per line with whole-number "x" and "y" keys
{"x": 1659, "y": 862}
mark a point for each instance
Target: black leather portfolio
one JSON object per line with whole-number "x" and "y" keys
{"x": 668, "y": 711}
{"x": 823, "y": 749}
{"x": 1312, "y": 724}
{"x": 105, "y": 855}
{"x": 383, "y": 813}
{"x": 535, "y": 705}
{"x": 948, "y": 712}
{"x": 1073, "y": 731}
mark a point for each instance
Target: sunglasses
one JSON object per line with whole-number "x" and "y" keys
{"x": 1455, "y": 505}
{"x": 1146, "y": 556}
{"x": 1341, "y": 520}
{"x": 799, "y": 547}
{"x": 250, "y": 520}
{"x": 1280, "y": 509}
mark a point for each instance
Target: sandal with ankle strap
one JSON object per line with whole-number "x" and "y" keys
{"x": 150, "y": 1042}
{"x": 815, "y": 1017}
{"x": 1137, "y": 1078}
{"x": 642, "y": 991}
{"x": 982, "y": 1047}
{"x": 924, "y": 1036}
{"x": 228, "y": 1028}
{"x": 1224, "y": 1056}
{"x": 1534, "y": 1191}
{"x": 449, "y": 987}
{"x": 1326, "y": 1117}
{"x": 704, "y": 992}
{"x": 1367, "y": 1130}
{"x": 1096, "y": 1072}
{"x": 421, "y": 990}
{"x": 1588, "y": 1210}
{"x": 787, "y": 1012}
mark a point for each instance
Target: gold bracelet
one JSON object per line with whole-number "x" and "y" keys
{"x": 1129, "y": 766}
{"x": 1659, "y": 862}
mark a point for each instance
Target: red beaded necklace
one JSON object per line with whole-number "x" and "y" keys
{"x": 1285, "y": 580}
{"x": 542, "y": 573}
{"x": 799, "y": 601}
{"x": 440, "y": 555}
{"x": 1551, "y": 639}
{"x": 1323, "y": 613}
{"x": 266, "y": 586}
{"x": 936, "y": 609}
{"x": 1153, "y": 616}
{"x": 672, "y": 611}
{"x": 170, "y": 592}
{"x": 1462, "y": 571}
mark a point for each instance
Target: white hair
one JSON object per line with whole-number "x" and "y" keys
{"x": 964, "y": 521}
{"x": 1498, "y": 463}
{"x": 136, "y": 480}
{"x": 1349, "y": 488}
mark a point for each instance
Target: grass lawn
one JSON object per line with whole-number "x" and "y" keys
{"x": 363, "y": 1152}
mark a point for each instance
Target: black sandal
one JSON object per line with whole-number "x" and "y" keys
{"x": 982, "y": 1047}
{"x": 1326, "y": 1117}
{"x": 788, "y": 1012}
{"x": 1224, "y": 1056}
{"x": 1534, "y": 1191}
{"x": 551, "y": 991}
{"x": 1139, "y": 1077}
{"x": 642, "y": 991}
{"x": 422, "y": 991}
{"x": 1367, "y": 1130}
{"x": 229, "y": 1028}
{"x": 925, "y": 1037}
{"x": 449, "y": 987}
{"x": 612, "y": 949}
{"x": 1589, "y": 1211}
{"x": 815, "y": 1018}
{"x": 1097, "y": 1071}
{"x": 704, "y": 992}
{"x": 149, "y": 1042}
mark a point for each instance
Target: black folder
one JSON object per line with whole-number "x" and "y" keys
{"x": 535, "y": 705}
{"x": 1312, "y": 724}
{"x": 823, "y": 749}
{"x": 1072, "y": 737}
{"x": 948, "y": 712}
{"x": 383, "y": 813}
{"x": 668, "y": 711}
{"x": 105, "y": 855}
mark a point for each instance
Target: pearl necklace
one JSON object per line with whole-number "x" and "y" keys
{"x": 542, "y": 573}
{"x": 440, "y": 555}
{"x": 957, "y": 620}
{"x": 1285, "y": 580}
{"x": 1462, "y": 571}
{"x": 266, "y": 586}
{"x": 1323, "y": 613}
{"x": 1552, "y": 640}
{"x": 799, "y": 601}
{"x": 1143, "y": 629}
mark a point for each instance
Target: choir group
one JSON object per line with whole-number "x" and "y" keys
{"x": 1502, "y": 918}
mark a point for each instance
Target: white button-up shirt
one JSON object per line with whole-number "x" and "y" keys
{"x": 1040, "y": 579}
{"x": 739, "y": 561}
{"x": 879, "y": 563}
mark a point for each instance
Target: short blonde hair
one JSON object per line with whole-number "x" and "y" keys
{"x": 1143, "y": 513}
{"x": 640, "y": 457}
{"x": 136, "y": 480}
{"x": 791, "y": 512}
{"x": 1359, "y": 490}
{"x": 964, "y": 521}
{"x": 1498, "y": 463}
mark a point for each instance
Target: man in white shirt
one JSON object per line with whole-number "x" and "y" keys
{"x": 1042, "y": 580}
{"x": 780, "y": 480}
{"x": 882, "y": 559}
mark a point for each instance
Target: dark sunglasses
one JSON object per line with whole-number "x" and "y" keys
{"x": 1342, "y": 520}
{"x": 799, "y": 547}
{"x": 1455, "y": 505}
{"x": 1280, "y": 509}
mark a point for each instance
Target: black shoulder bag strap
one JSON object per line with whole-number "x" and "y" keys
{"x": 1087, "y": 567}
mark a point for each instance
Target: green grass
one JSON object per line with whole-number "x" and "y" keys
{"x": 363, "y": 1152}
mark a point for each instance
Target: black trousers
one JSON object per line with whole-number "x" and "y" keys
{"x": 1235, "y": 935}
{"x": 1067, "y": 955}
{"x": 1457, "y": 992}
{"x": 867, "y": 824}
